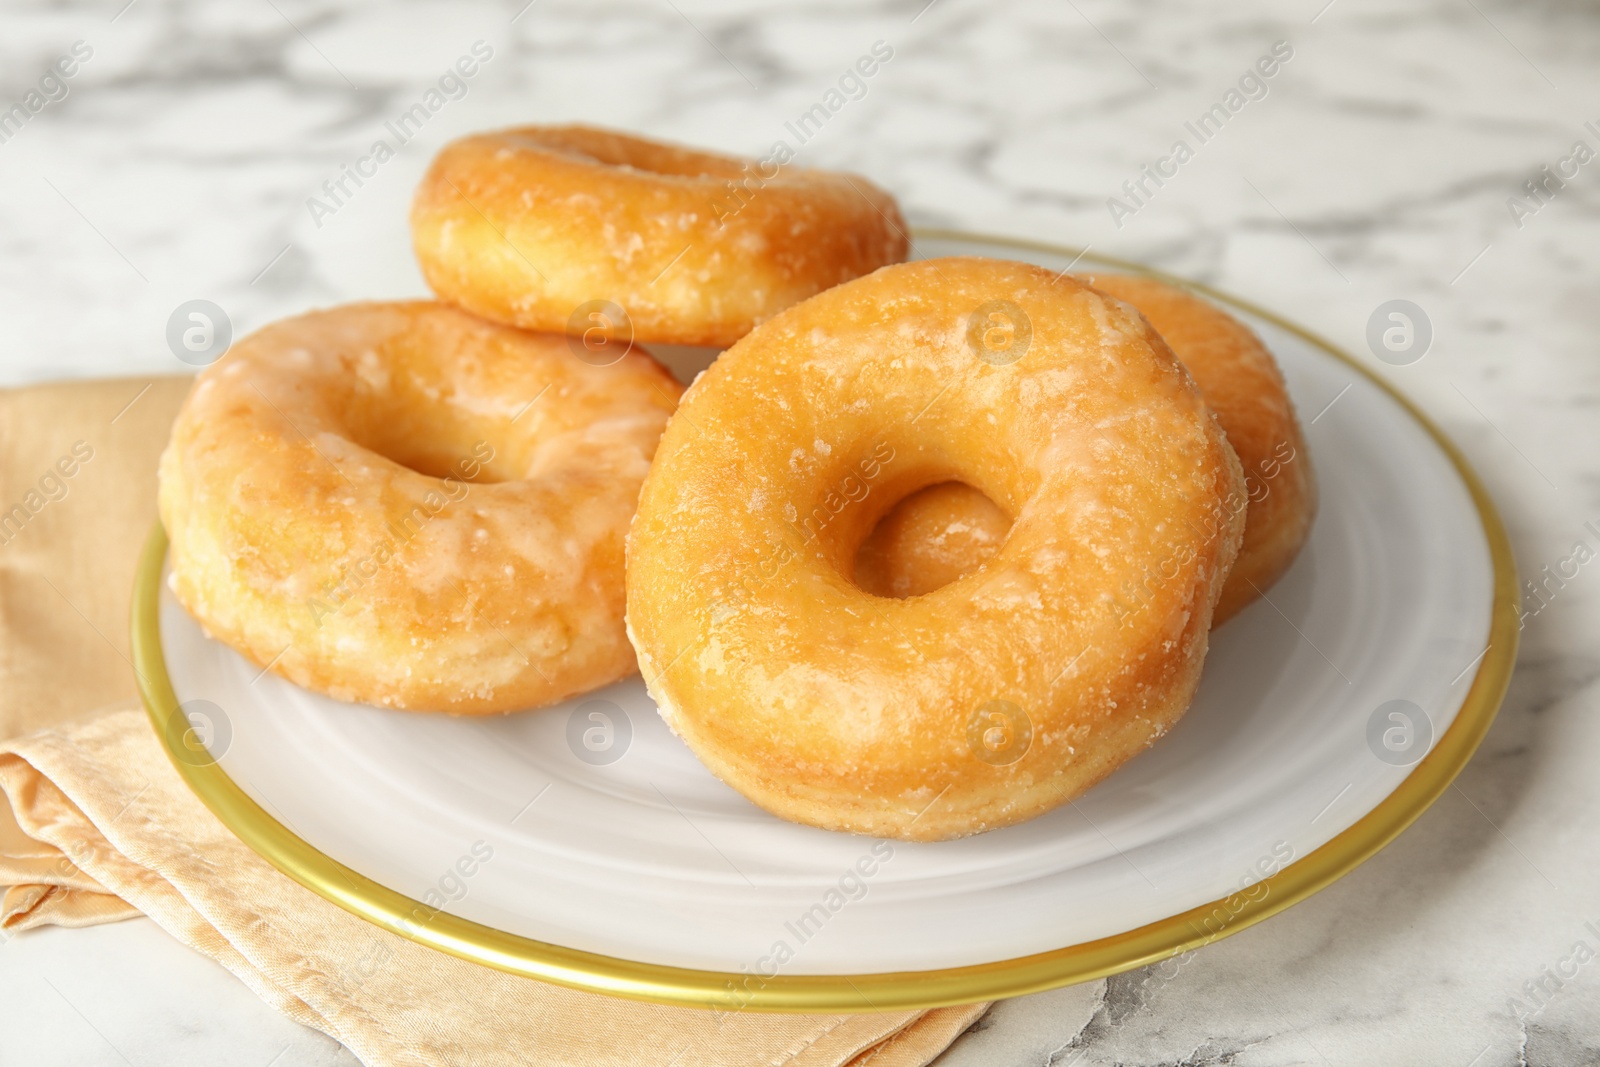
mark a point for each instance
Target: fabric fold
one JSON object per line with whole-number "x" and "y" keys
{"x": 97, "y": 826}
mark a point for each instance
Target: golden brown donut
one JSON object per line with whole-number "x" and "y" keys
{"x": 574, "y": 229}
{"x": 404, "y": 505}
{"x": 935, "y": 536}
{"x": 1000, "y": 695}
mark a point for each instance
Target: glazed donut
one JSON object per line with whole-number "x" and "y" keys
{"x": 574, "y": 229}
{"x": 403, "y": 505}
{"x": 1000, "y": 695}
{"x": 935, "y": 536}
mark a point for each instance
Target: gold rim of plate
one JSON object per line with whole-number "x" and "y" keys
{"x": 888, "y": 991}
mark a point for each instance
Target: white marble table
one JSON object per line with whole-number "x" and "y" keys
{"x": 1380, "y": 163}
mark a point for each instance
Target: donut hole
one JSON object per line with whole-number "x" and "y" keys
{"x": 467, "y": 461}
{"x": 929, "y": 539}
{"x": 434, "y": 441}
{"x": 609, "y": 149}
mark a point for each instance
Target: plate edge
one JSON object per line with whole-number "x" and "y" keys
{"x": 732, "y": 992}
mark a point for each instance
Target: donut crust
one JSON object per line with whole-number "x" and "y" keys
{"x": 935, "y": 536}
{"x": 829, "y": 706}
{"x": 402, "y": 505}
{"x": 535, "y": 226}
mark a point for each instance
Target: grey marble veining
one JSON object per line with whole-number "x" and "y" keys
{"x": 1383, "y": 159}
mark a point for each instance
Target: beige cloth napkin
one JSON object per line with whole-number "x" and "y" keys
{"x": 96, "y": 825}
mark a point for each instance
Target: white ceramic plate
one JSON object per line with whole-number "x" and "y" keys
{"x": 635, "y": 851}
